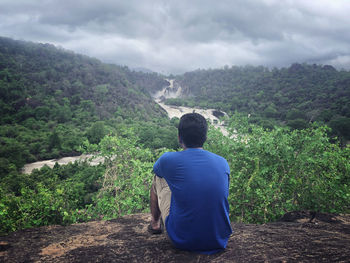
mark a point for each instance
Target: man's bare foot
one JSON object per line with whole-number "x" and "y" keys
{"x": 155, "y": 227}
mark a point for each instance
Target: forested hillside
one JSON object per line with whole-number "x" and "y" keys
{"x": 297, "y": 95}
{"x": 51, "y": 100}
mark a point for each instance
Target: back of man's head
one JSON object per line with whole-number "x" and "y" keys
{"x": 193, "y": 129}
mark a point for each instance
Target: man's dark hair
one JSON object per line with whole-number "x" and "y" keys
{"x": 193, "y": 129}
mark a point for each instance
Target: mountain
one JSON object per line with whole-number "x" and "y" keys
{"x": 54, "y": 84}
{"x": 297, "y": 95}
{"x": 52, "y": 99}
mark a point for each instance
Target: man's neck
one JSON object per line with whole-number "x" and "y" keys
{"x": 185, "y": 148}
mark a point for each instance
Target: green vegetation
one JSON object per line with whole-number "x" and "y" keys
{"x": 79, "y": 192}
{"x": 51, "y": 100}
{"x": 48, "y": 196}
{"x": 55, "y": 103}
{"x": 296, "y": 96}
{"x": 272, "y": 172}
{"x": 280, "y": 170}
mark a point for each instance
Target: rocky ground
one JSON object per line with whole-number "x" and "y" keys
{"x": 296, "y": 237}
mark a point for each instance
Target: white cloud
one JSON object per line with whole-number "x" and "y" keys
{"x": 177, "y": 36}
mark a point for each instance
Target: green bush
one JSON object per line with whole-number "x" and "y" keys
{"x": 272, "y": 172}
{"x": 127, "y": 179}
{"x": 47, "y": 196}
{"x": 276, "y": 171}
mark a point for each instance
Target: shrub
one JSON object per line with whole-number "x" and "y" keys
{"x": 276, "y": 171}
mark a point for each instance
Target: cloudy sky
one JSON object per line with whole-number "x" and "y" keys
{"x": 182, "y": 35}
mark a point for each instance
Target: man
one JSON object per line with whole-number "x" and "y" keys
{"x": 189, "y": 192}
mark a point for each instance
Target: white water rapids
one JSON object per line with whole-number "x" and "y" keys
{"x": 172, "y": 91}
{"x": 175, "y": 91}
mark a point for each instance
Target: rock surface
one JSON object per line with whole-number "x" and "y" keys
{"x": 299, "y": 236}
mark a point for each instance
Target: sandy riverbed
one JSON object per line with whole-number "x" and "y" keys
{"x": 28, "y": 168}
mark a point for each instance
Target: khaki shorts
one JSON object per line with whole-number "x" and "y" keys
{"x": 161, "y": 188}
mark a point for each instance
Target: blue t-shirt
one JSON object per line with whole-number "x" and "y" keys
{"x": 199, "y": 211}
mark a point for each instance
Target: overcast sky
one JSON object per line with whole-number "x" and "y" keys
{"x": 183, "y": 35}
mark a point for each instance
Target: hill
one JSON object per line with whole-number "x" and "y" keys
{"x": 55, "y": 103}
{"x": 325, "y": 238}
{"x": 49, "y": 80}
{"x": 51, "y": 100}
{"x": 297, "y": 96}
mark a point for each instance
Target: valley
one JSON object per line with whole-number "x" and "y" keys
{"x": 55, "y": 104}
{"x": 172, "y": 111}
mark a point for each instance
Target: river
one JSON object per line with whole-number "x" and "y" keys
{"x": 172, "y": 91}
{"x": 28, "y": 168}
{"x": 175, "y": 91}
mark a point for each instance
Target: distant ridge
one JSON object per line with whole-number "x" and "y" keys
{"x": 143, "y": 70}
{"x": 296, "y": 96}
{"x": 76, "y": 77}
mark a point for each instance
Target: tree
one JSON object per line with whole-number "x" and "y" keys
{"x": 341, "y": 127}
{"x": 271, "y": 111}
{"x": 295, "y": 114}
{"x": 298, "y": 124}
{"x": 96, "y": 132}
{"x": 54, "y": 141}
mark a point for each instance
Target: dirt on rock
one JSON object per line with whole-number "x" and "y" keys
{"x": 298, "y": 236}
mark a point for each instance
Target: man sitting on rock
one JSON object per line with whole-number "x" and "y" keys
{"x": 189, "y": 192}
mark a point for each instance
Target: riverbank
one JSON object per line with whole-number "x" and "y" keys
{"x": 176, "y": 91}
{"x": 178, "y": 111}
{"x": 172, "y": 91}
{"x": 28, "y": 168}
